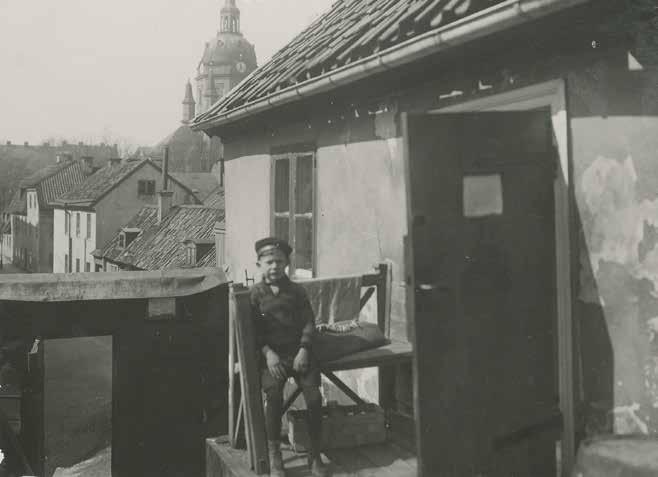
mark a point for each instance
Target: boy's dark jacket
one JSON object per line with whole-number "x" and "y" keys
{"x": 285, "y": 321}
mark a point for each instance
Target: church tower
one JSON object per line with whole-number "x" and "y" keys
{"x": 227, "y": 59}
{"x": 189, "y": 105}
{"x": 230, "y": 18}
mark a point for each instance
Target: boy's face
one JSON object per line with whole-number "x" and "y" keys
{"x": 273, "y": 265}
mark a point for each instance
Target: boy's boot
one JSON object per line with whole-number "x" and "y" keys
{"x": 318, "y": 468}
{"x": 276, "y": 460}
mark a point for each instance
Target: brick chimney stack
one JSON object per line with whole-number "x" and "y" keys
{"x": 165, "y": 195}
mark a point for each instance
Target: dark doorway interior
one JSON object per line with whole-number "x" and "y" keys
{"x": 77, "y": 401}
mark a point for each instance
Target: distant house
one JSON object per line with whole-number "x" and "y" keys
{"x": 153, "y": 239}
{"x": 5, "y": 242}
{"x": 19, "y": 160}
{"x": 31, "y": 211}
{"x": 502, "y": 154}
{"x": 96, "y": 209}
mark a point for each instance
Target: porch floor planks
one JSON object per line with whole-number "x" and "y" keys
{"x": 381, "y": 460}
{"x": 393, "y": 462}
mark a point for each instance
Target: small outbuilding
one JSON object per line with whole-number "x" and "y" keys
{"x": 502, "y": 156}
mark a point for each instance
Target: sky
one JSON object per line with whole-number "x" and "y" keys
{"x": 91, "y": 70}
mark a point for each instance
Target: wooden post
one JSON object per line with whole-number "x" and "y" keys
{"x": 250, "y": 379}
{"x": 386, "y": 373}
{"x": 231, "y": 378}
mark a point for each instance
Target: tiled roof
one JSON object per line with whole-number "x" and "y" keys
{"x": 160, "y": 245}
{"x": 101, "y": 182}
{"x": 202, "y": 183}
{"x": 215, "y": 199}
{"x": 54, "y": 180}
{"x": 350, "y": 31}
{"x": 144, "y": 219}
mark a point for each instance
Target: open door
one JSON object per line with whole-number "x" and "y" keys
{"x": 483, "y": 292}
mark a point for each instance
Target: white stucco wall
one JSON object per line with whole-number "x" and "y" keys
{"x": 247, "y": 198}
{"x": 81, "y": 246}
{"x": 60, "y": 241}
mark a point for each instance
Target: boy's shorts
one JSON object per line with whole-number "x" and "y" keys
{"x": 309, "y": 379}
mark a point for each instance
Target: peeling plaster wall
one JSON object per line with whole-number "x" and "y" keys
{"x": 614, "y": 128}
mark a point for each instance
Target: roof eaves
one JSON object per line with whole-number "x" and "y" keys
{"x": 476, "y": 25}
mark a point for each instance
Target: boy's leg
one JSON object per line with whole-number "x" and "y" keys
{"x": 310, "y": 384}
{"x": 273, "y": 390}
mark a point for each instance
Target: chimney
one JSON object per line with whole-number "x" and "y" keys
{"x": 165, "y": 169}
{"x": 64, "y": 157}
{"x": 80, "y": 143}
{"x": 8, "y": 143}
{"x": 164, "y": 196}
{"x": 88, "y": 163}
{"x": 26, "y": 144}
{"x": 115, "y": 161}
{"x": 220, "y": 244}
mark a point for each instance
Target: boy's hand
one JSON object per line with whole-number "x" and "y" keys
{"x": 274, "y": 365}
{"x": 301, "y": 362}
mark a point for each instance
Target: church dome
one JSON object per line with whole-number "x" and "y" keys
{"x": 229, "y": 49}
{"x": 227, "y": 59}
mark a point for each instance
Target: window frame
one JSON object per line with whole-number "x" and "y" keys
{"x": 88, "y": 235}
{"x": 292, "y": 157}
{"x": 77, "y": 224}
{"x": 145, "y": 187}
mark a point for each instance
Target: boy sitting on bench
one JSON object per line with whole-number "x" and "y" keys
{"x": 284, "y": 325}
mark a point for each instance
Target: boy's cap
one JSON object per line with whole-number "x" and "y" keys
{"x": 269, "y": 244}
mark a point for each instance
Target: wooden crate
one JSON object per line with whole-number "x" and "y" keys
{"x": 342, "y": 426}
{"x": 10, "y": 405}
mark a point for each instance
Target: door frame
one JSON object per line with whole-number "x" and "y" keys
{"x": 550, "y": 94}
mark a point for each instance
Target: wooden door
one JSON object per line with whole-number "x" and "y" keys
{"x": 483, "y": 282}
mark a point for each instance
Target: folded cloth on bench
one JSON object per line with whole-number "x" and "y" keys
{"x": 334, "y": 299}
{"x": 329, "y": 345}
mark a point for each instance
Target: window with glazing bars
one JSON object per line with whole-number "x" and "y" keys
{"x": 293, "y": 206}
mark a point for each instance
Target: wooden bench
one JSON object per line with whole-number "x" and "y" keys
{"x": 241, "y": 342}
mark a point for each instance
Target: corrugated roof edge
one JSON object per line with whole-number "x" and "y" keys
{"x": 484, "y": 22}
